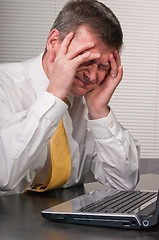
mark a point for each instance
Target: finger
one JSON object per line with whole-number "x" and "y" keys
{"x": 85, "y": 57}
{"x": 72, "y": 53}
{"x": 117, "y": 58}
{"x": 66, "y": 42}
{"x": 114, "y": 67}
{"x": 120, "y": 74}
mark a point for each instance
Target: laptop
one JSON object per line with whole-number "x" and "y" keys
{"x": 109, "y": 208}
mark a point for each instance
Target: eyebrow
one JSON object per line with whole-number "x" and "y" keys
{"x": 105, "y": 65}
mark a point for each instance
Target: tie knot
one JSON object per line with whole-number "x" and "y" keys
{"x": 67, "y": 102}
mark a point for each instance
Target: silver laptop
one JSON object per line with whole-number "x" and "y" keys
{"x": 109, "y": 208}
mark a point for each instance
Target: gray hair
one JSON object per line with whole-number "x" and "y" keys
{"x": 94, "y": 14}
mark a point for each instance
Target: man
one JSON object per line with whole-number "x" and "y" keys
{"x": 81, "y": 62}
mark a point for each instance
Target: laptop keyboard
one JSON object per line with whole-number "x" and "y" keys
{"x": 121, "y": 202}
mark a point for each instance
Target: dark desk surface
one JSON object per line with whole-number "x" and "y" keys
{"x": 20, "y": 219}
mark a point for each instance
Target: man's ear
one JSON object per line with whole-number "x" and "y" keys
{"x": 53, "y": 40}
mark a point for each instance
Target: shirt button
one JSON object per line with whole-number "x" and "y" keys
{"x": 111, "y": 125}
{"x": 47, "y": 104}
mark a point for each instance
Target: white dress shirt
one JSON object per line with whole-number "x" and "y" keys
{"x": 29, "y": 117}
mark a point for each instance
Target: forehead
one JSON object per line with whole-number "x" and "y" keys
{"x": 85, "y": 34}
{"x": 84, "y": 29}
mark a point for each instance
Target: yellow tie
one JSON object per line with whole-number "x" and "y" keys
{"x": 60, "y": 167}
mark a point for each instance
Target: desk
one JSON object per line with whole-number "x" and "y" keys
{"x": 20, "y": 219}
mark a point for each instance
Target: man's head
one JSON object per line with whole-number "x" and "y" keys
{"x": 94, "y": 14}
{"x": 89, "y": 21}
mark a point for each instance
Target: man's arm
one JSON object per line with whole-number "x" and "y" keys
{"x": 117, "y": 154}
{"x": 24, "y": 137}
{"x": 98, "y": 99}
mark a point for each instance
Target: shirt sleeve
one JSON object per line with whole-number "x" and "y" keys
{"x": 25, "y": 135}
{"x": 116, "y": 154}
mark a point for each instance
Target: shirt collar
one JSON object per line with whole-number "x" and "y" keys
{"x": 38, "y": 76}
{"x": 70, "y": 99}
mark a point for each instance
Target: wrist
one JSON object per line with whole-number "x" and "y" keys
{"x": 99, "y": 114}
{"x": 59, "y": 94}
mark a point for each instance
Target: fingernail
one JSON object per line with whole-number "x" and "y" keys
{"x": 97, "y": 55}
{"x": 91, "y": 44}
{"x": 87, "y": 54}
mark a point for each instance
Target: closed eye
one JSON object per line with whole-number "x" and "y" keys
{"x": 103, "y": 67}
{"x": 88, "y": 63}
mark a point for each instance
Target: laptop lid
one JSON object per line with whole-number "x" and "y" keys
{"x": 109, "y": 208}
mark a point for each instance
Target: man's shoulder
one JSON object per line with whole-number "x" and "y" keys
{"x": 15, "y": 70}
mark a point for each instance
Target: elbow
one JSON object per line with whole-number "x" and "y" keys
{"x": 6, "y": 181}
{"x": 131, "y": 172}
{"x": 5, "y": 171}
{"x": 130, "y": 185}
{"x": 124, "y": 181}
{"x": 5, "y": 185}
{"x": 130, "y": 181}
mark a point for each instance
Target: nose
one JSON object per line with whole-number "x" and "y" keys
{"x": 92, "y": 73}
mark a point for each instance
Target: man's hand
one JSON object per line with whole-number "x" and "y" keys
{"x": 97, "y": 100}
{"x": 62, "y": 67}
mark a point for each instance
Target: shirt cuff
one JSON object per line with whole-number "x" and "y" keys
{"x": 48, "y": 104}
{"x": 105, "y": 127}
